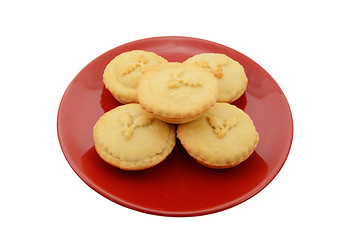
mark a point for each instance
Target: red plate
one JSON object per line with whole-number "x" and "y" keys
{"x": 178, "y": 186}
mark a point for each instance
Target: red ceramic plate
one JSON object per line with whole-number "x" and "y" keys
{"x": 178, "y": 186}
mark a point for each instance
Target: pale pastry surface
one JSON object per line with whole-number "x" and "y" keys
{"x": 122, "y": 73}
{"x": 223, "y": 137}
{"x": 130, "y": 138}
{"x": 231, "y": 76}
{"x": 176, "y": 92}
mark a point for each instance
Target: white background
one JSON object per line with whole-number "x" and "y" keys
{"x": 309, "y": 49}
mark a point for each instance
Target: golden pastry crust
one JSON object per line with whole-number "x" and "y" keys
{"x": 122, "y": 73}
{"x": 230, "y": 74}
{"x": 177, "y": 92}
{"x": 130, "y": 138}
{"x": 222, "y": 138}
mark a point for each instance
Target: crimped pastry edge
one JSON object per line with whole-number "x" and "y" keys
{"x": 234, "y": 160}
{"x": 124, "y": 165}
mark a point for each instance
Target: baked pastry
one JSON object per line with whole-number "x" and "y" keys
{"x": 230, "y": 74}
{"x": 177, "y": 92}
{"x": 130, "y": 138}
{"x": 122, "y": 73}
{"x": 223, "y": 137}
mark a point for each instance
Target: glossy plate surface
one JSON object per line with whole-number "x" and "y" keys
{"x": 178, "y": 186}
